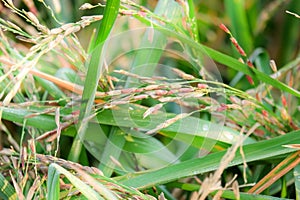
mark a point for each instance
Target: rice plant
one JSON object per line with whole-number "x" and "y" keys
{"x": 123, "y": 99}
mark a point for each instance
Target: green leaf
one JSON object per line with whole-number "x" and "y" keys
{"x": 254, "y": 73}
{"x": 120, "y": 117}
{"x": 150, "y": 152}
{"x": 44, "y": 122}
{"x": 253, "y": 152}
{"x": 150, "y": 51}
{"x": 132, "y": 116}
{"x": 110, "y": 15}
{"x": 95, "y": 68}
{"x": 53, "y": 90}
{"x": 193, "y": 20}
{"x": 239, "y": 23}
{"x": 53, "y": 183}
{"x": 7, "y": 191}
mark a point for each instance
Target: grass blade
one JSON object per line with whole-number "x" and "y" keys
{"x": 135, "y": 119}
{"x": 110, "y": 117}
{"x": 53, "y": 90}
{"x": 7, "y": 191}
{"x": 193, "y": 20}
{"x": 44, "y": 122}
{"x": 253, "y": 152}
{"x": 254, "y": 73}
{"x": 237, "y": 13}
{"x": 53, "y": 183}
{"x": 150, "y": 51}
{"x": 93, "y": 74}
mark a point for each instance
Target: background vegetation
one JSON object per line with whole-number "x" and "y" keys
{"x": 149, "y": 99}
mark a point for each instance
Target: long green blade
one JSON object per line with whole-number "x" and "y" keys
{"x": 93, "y": 74}
{"x": 253, "y": 152}
{"x": 134, "y": 118}
{"x": 238, "y": 17}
